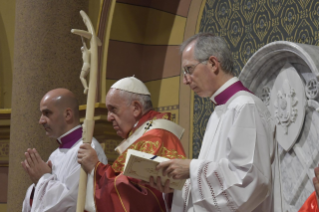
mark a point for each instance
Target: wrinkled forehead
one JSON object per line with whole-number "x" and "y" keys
{"x": 114, "y": 98}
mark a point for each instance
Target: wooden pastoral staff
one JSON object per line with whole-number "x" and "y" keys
{"x": 89, "y": 66}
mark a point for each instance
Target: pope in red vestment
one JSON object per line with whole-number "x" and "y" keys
{"x": 117, "y": 192}
{"x": 130, "y": 111}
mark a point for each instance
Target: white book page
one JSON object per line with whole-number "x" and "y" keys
{"x": 141, "y": 165}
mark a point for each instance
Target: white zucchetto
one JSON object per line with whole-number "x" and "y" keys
{"x": 131, "y": 84}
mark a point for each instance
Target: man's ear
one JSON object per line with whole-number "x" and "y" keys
{"x": 214, "y": 64}
{"x": 68, "y": 114}
{"x": 137, "y": 109}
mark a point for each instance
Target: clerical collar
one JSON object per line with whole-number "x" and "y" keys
{"x": 68, "y": 139}
{"x": 227, "y": 90}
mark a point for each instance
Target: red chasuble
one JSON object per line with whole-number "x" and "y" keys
{"x": 116, "y": 192}
{"x": 311, "y": 204}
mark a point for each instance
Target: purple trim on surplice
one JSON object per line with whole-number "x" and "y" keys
{"x": 70, "y": 139}
{"x": 223, "y": 97}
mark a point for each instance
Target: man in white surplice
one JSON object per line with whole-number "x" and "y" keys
{"x": 55, "y": 183}
{"x": 233, "y": 170}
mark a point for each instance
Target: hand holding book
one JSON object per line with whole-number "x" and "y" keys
{"x": 141, "y": 165}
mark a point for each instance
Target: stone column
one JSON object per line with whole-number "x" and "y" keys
{"x": 46, "y": 56}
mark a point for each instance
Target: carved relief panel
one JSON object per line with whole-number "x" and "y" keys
{"x": 285, "y": 76}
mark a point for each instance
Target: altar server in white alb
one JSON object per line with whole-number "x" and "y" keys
{"x": 233, "y": 170}
{"x": 55, "y": 183}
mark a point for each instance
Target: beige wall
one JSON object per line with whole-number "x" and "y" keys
{"x": 7, "y": 24}
{"x": 94, "y": 10}
{"x": 7, "y": 20}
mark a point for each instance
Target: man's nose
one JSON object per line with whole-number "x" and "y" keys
{"x": 41, "y": 120}
{"x": 186, "y": 79}
{"x": 110, "y": 116}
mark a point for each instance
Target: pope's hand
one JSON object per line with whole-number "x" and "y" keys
{"x": 35, "y": 166}
{"x": 87, "y": 157}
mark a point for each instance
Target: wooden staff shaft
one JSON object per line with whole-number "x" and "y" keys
{"x": 88, "y": 125}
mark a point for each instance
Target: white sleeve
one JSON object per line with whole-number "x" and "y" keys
{"x": 241, "y": 180}
{"x": 99, "y": 151}
{"x": 26, "y": 202}
{"x": 89, "y": 202}
{"x": 52, "y": 195}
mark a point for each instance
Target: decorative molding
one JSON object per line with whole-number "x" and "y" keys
{"x": 172, "y": 109}
{"x": 5, "y": 116}
{"x": 167, "y": 108}
{"x": 265, "y": 95}
{"x": 285, "y": 105}
{"x": 4, "y": 152}
{"x": 312, "y": 88}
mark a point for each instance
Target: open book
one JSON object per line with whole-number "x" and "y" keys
{"x": 141, "y": 165}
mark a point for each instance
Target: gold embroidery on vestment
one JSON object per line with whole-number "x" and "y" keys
{"x": 150, "y": 147}
{"x": 118, "y": 193}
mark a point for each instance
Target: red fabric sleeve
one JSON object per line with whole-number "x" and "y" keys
{"x": 311, "y": 204}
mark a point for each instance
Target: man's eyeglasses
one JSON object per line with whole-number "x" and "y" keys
{"x": 188, "y": 70}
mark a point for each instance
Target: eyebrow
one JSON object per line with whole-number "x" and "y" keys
{"x": 45, "y": 110}
{"x": 109, "y": 105}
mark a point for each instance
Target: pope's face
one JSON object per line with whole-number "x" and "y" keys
{"x": 52, "y": 118}
{"x": 120, "y": 113}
